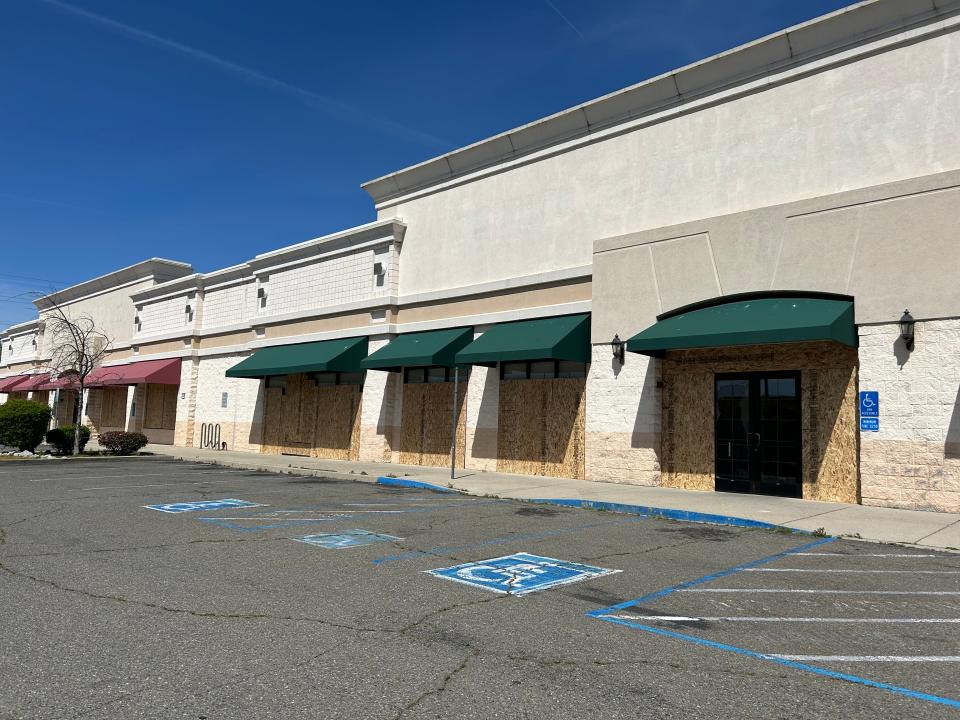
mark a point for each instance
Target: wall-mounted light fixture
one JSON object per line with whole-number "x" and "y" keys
{"x": 378, "y": 269}
{"x": 906, "y": 329}
{"x": 619, "y": 348}
{"x": 261, "y": 293}
{"x": 188, "y": 310}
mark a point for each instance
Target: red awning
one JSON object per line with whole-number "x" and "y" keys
{"x": 9, "y": 384}
{"x": 65, "y": 381}
{"x": 33, "y": 382}
{"x": 161, "y": 372}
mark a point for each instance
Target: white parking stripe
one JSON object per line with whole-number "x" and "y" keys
{"x": 871, "y": 658}
{"x": 862, "y": 555}
{"x": 822, "y": 592}
{"x": 181, "y": 484}
{"x": 685, "y": 618}
{"x": 846, "y": 572}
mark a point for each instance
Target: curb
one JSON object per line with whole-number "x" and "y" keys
{"x": 669, "y": 514}
{"x": 418, "y": 484}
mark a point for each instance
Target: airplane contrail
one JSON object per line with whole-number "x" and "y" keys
{"x": 310, "y": 98}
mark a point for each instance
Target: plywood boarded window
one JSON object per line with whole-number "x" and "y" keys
{"x": 113, "y": 411}
{"x": 311, "y": 419}
{"x": 161, "y": 407}
{"x": 425, "y": 423}
{"x": 541, "y": 427}
{"x": 66, "y": 407}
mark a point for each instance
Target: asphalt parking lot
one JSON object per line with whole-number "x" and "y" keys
{"x": 313, "y": 597}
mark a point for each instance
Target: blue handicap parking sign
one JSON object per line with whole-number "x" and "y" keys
{"x": 348, "y": 538}
{"x": 520, "y": 573}
{"x": 202, "y": 505}
{"x": 869, "y": 403}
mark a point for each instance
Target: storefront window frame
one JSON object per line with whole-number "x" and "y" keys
{"x": 567, "y": 373}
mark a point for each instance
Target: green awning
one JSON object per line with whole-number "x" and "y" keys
{"x": 755, "y": 319}
{"x": 325, "y": 356}
{"x": 435, "y": 347}
{"x": 556, "y": 338}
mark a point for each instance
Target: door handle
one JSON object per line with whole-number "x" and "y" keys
{"x": 758, "y": 439}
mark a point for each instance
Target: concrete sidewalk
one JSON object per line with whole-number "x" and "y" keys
{"x": 891, "y": 525}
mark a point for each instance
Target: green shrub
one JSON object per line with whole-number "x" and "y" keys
{"x": 22, "y": 423}
{"x": 122, "y": 443}
{"x": 62, "y": 438}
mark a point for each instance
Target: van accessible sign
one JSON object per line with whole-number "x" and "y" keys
{"x": 869, "y": 410}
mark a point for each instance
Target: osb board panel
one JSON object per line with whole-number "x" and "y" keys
{"x": 520, "y": 427}
{"x": 272, "y": 399}
{"x": 170, "y": 406}
{"x": 411, "y": 424}
{"x": 829, "y": 409}
{"x": 113, "y": 410}
{"x": 687, "y": 429}
{"x": 160, "y": 412}
{"x": 337, "y": 435}
{"x": 66, "y": 407}
{"x": 313, "y": 421}
{"x": 828, "y": 377}
{"x": 541, "y": 427}
{"x": 153, "y": 412}
{"x": 425, "y": 424}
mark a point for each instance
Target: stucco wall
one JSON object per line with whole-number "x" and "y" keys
{"x": 883, "y": 118}
{"x": 380, "y": 411}
{"x": 914, "y": 459}
{"x": 623, "y": 419}
{"x": 240, "y": 421}
{"x": 889, "y": 246}
{"x": 112, "y": 311}
{"x": 482, "y": 411}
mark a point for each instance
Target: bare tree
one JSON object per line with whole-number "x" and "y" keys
{"x": 77, "y": 347}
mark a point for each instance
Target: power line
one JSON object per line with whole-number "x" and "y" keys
{"x": 35, "y": 279}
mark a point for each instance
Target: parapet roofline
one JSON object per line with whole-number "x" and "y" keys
{"x": 21, "y": 328}
{"x": 160, "y": 268}
{"x": 342, "y": 239}
{"x": 853, "y": 25}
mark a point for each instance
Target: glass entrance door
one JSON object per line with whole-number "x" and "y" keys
{"x": 758, "y": 433}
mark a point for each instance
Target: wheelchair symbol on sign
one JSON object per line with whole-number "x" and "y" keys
{"x": 868, "y": 401}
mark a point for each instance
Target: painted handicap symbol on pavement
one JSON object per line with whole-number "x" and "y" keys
{"x": 346, "y": 539}
{"x": 520, "y": 573}
{"x": 202, "y": 505}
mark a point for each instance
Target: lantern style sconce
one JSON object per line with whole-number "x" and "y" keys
{"x": 906, "y": 329}
{"x": 619, "y": 347}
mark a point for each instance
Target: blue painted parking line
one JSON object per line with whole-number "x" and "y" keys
{"x": 208, "y": 505}
{"x": 498, "y": 541}
{"x": 346, "y": 539}
{"x": 520, "y": 573}
{"x": 612, "y": 615}
{"x": 669, "y": 514}
{"x": 414, "y": 484}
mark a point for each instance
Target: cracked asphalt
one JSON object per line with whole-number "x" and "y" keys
{"x": 112, "y": 610}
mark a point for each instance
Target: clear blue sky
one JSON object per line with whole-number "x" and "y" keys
{"x": 211, "y": 130}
